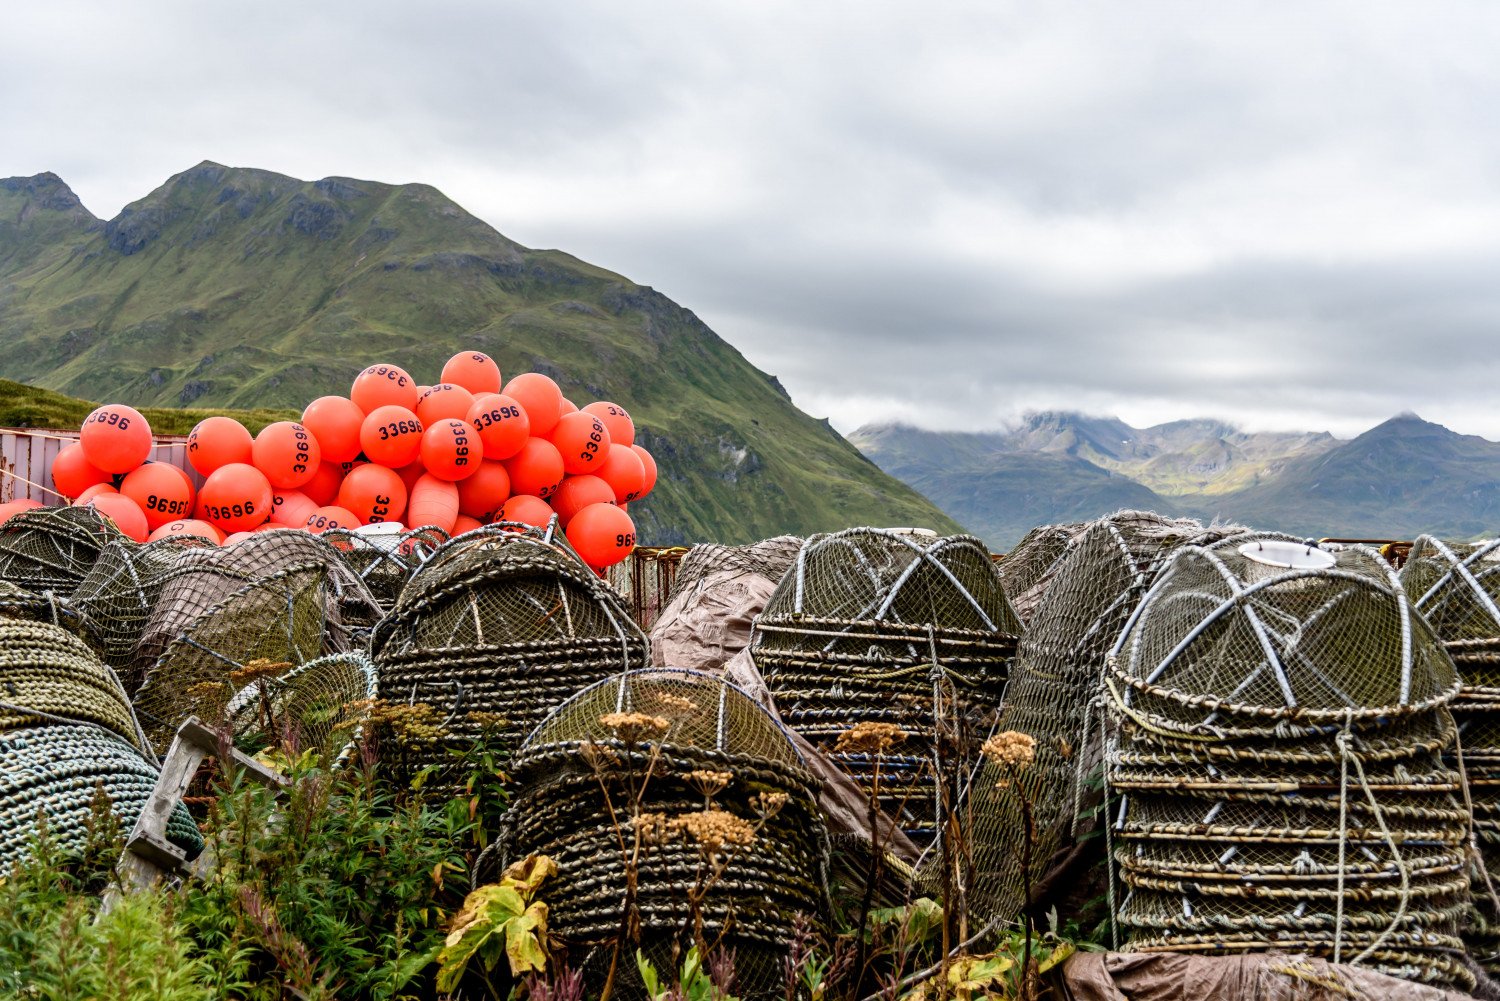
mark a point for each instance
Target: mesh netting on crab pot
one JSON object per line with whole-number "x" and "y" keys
{"x": 872, "y": 626}
{"x": 1277, "y": 774}
{"x": 386, "y": 562}
{"x": 494, "y": 631}
{"x": 1456, "y": 586}
{"x": 52, "y": 548}
{"x": 723, "y": 841}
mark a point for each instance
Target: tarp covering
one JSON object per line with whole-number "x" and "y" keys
{"x": 1141, "y": 976}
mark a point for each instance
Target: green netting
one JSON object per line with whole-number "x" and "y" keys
{"x": 56, "y": 771}
{"x": 1335, "y": 827}
{"x": 874, "y": 626}
{"x": 711, "y": 787}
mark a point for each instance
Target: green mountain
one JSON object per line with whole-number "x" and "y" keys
{"x": 248, "y": 289}
{"x": 1397, "y": 480}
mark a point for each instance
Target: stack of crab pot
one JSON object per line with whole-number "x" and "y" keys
{"x": 500, "y": 626}
{"x": 679, "y": 814}
{"x": 1456, "y": 586}
{"x": 898, "y": 628}
{"x": 1279, "y": 717}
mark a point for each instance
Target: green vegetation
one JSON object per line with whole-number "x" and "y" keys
{"x": 23, "y": 406}
{"x": 248, "y": 289}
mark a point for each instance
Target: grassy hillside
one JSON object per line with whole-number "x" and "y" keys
{"x": 23, "y": 406}
{"x": 247, "y": 289}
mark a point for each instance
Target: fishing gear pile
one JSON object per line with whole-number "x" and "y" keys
{"x": 1279, "y": 716}
{"x": 700, "y": 784}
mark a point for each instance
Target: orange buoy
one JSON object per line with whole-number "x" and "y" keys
{"x": 621, "y": 427}
{"x": 287, "y": 453}
{"x": 73, "y": 473}
{"x": 334, "y": 421}
{"x": 236, "y": 498}
{"x": 568, "y": 407}
{"x": 648, "y": 464}
{"x": 602, "y": 535}
{"x": 527, "y": 510}
{"x": 583, "y": 441}
{"x": 391, "y": 436}
{"x": 482, "y": 495}
{"x": 443, "y": 402}
{"x": 115, "y": 438}
{"x": 577, "y": 493}
{"x": 474, "y": 371}
{"x": 539, "y": 397}
{"x": 331, "y": 516}
{"x": 10, "y": 509}
{"x": 216, "y": 442}
{"x": 536, "y": 469}
{"x": 383, "y": 386}
{"x": 452, "y": 450}
{"x": 373, "y": 494}
{"x": 187, "y": 526}
{"x": 162, "y": 492}
{"x": 90, "y": 493}
{"x": 624, "y": 471}
{"x": 324, "y": 485}
{"x": 124, "y": 512}
{"x": 291, "y": 508}
{"x": 502, "y": 425}
{"x": 433, "y": 502}
{"x": 463, "y": 523}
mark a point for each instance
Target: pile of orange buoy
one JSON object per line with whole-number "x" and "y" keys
{"x": 458, "y": 454}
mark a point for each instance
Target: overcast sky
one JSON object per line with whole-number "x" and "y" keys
{"x": 1284, "y": 214}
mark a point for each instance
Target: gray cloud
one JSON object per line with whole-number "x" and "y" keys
{"x": 1286, "y": 215}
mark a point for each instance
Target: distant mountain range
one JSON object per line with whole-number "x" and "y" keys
{"x": 1401, "y": 478}
{"x": 243, "y": 288}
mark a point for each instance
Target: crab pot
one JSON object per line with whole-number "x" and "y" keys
{"x": 1456, "y": 586}
{"x": 703, "y": 761}
{"x": 52, "y": 548}
{"x": 1277, "y": 776}
{"x": 386, "y": 563}
{"x": 879, "y": 626}
{"x": 119, "y": 592}
{"x": 494, "y": 631}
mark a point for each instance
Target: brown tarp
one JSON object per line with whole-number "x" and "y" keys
{"x": 1140, "y": 976}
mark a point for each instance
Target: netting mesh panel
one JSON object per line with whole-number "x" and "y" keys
{"x": 120, "y": 590}
{"x": 56, "y": 771}
{"x": 1224, "y": 636}
{"x": 1456, "y": 586}
{"x": 1277, "y": 766}
{"x": 280, "y": 619}
{"x": 203, "y": 578}
{"x": 51, "y": 548}
{"x": 875, "y": 626}
{"x": 723, "y": 807}
{"x": 49, "y": 675}
{"x": 1092, "y": 590}
{"x": 1028, "y": 569}
{"x": 496, "y": 630}
{"x": 318, "y": 708}
{"x": 386, "y": 565}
